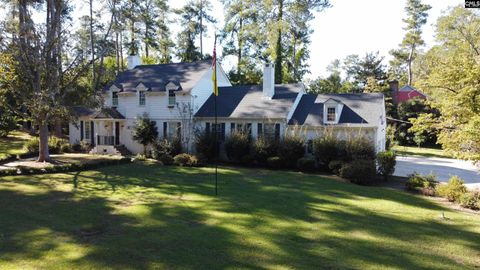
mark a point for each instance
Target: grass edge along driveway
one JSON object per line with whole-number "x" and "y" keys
{"x": 141, "y": 216}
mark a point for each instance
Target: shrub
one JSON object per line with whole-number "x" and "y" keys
{"x": 306, "y": 164}
{"x": 425, "y": 183}
{"x": 163, "y": 151}
{"x": 194, "y": 161}
{"x": 182, "y": 159}
{"x": 205, "y": 145}
{"x": 176, "y": 146}
{"x": 8, "y": 123}
{"x": 145, "y": 131}
{"x": 247, "y": 160}
{"x": 470, "y": 200}
{"x": 262, "y": 149}
{"x": 325, "y": 149}
{"x": 359, "y": 148}
{"x": 453, "y": 190}
{"x": 237, "y": 145}
{"x": 335, "y": 166}
{"x": 55, "y": 145}
{"x": 291, "y": 149}
{"x": 386, "y": 163}
{"x": 359, "y": 172}
{"x": 140, "y": 157}
{"x": 274, "y": 162}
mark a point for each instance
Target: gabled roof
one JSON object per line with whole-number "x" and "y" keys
{"x": 107, "y": 113}
{"x": 363, "y": 109}
{"x": 250, "y": 102}
{"x": 82, "y": 111}
{"x": 407, "y": 88}
{"x": 156, "y": 77}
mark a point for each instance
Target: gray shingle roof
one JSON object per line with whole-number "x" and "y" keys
{"x": 107, "y": 113}
{"x": 82, "y": 111}
{"x": 249, "y": 102}
{"x": 155, "y": 77}
{"x": 364, "y": 109}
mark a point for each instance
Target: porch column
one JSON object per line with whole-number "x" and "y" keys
{"x": 114, "y": 132}
{"x": 96, "y": 124}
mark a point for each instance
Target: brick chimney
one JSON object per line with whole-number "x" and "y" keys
{"x": 269, "y": 79}
{"x": 393, "y": 85}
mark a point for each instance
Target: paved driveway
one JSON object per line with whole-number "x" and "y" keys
{"x": 443, "y": 168}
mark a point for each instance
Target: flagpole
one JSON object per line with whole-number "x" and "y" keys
{"x": 216, "y": 145}
{"x": 215, "y": 93}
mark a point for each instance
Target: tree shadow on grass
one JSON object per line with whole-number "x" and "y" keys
{"x": 261, "y": 219}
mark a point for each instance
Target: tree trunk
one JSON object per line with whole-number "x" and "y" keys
{"x": 278, "y": 48}
{"x": 92, "y": 44}
{"x": 121, "y": 50}
{"x": 43, "y": 153}
{"x": 201, "y": 28}
{"x": 409, "y": 63}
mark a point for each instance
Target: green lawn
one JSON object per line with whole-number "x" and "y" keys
{"x": 420, "y": 151}
{"x": 151, "y": 217}
{"x": 13, "y": 144}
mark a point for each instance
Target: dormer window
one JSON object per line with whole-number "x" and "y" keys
{"x": 114, "y": 99}
{"x": 171, "y": 98}
{"x": 141, "y": 98}
{"x": 331, "y": 114}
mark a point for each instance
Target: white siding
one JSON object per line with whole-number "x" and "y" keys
{"x": 204, "y": 87}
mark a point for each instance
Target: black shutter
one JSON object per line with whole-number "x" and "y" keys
{"x": 259, "y": 130}
{"x": 179, "y": 129}
{"x": 277, "y": 132}
{"x": 232, "y": 127}
{"x": 92, "y": 139}
{"x": 164, "y": 130}
{"x": 249, "y": 128}
{"x": 81, "y": 130}
{"x": 222, "y": 134}
{"x": 207, "y": 128}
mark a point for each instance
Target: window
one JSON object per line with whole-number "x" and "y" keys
{"x": 269, "y": 131}
{"x": 331, "y": 115}
{"x": 310, "y": 146}
{"x": 220, "y": 129}
{"x": 141, "y": 98}
{"x": 87, "y": 130}
{"x": 171, "y": 129}
{"x": 114, "y": 98}
{"x": 171, "y": 98}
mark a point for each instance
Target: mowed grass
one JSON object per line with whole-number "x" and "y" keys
{"x": 420, "y": 151}
{"x": 13, "y": 143}
{"x": 141, "y": 216}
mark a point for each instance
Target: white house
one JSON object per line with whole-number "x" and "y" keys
{"x": 180, "y": 99}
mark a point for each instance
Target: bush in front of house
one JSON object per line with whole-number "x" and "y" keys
{"x": 262, "y": 149}
{"x": 470, "y": 200}
{"x": 290, "y": 149}
{"x": 163, "y": 151}
{"x": 237, "y": 145}
{"x": 359, "y": 148}
{"x": 325, "y": 149}
{"x": 386, "y": 162}
{"x": 186, "y": 160}
{"x": 275, "y": 162}
{"x": 335, "y": 166}
{"x": 206, "y": 145}
{"x": 176, "y": 146}
{"x": 453, "y": 190}
{"x": 427, "y": 183}
{"x": 145, "y": 132}
{"x": 359, "y": 172}
{"x": 306, "y": 164}
{"x": 55, "y": 145}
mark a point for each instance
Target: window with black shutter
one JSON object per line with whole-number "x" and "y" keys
{"x": 81, "y": 130}
{"x": 92, "y": 132}
{"x": 232, "y": 127}
{"x": 222, "y": 131}
{"x": 207, "y": 128}
{"x": 249, "y": 128}
{"x": 259, "y": 130}
{"x": 165, "y": 129}
{"x": 277, "y": 132}
{"x": 179, "y": 129}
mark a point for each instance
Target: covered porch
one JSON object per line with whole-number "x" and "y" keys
{"x": 108, "y": 124}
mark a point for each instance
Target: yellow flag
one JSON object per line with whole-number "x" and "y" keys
{"x": 214, "y": 66}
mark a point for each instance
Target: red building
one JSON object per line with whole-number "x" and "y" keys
{"x": 405, "y": 93}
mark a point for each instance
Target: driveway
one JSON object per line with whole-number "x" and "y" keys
{"x": 443, "y": 168}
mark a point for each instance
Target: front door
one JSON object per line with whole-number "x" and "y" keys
{"x": 117, "y": 133}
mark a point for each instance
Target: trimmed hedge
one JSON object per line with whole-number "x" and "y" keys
{"x": 417, "y": 181}
{"x": 306, "y": 164}
{"x": 186, "y": 160}
{"x": 470, "y": 200}
{"x": 237, "y": 145}
{"x": 63, "y": 168}
{"x": 386, "y": 163}
{"x": 262, "y": 149}
{"x": 359, "y": 172}
{"x": 291, "y": 149}
{"x": 453, "y": 190}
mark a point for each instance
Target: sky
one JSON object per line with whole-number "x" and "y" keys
{"x": 348, "y": 27}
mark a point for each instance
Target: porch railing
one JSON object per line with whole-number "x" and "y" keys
{"x": 105, "y": 140}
